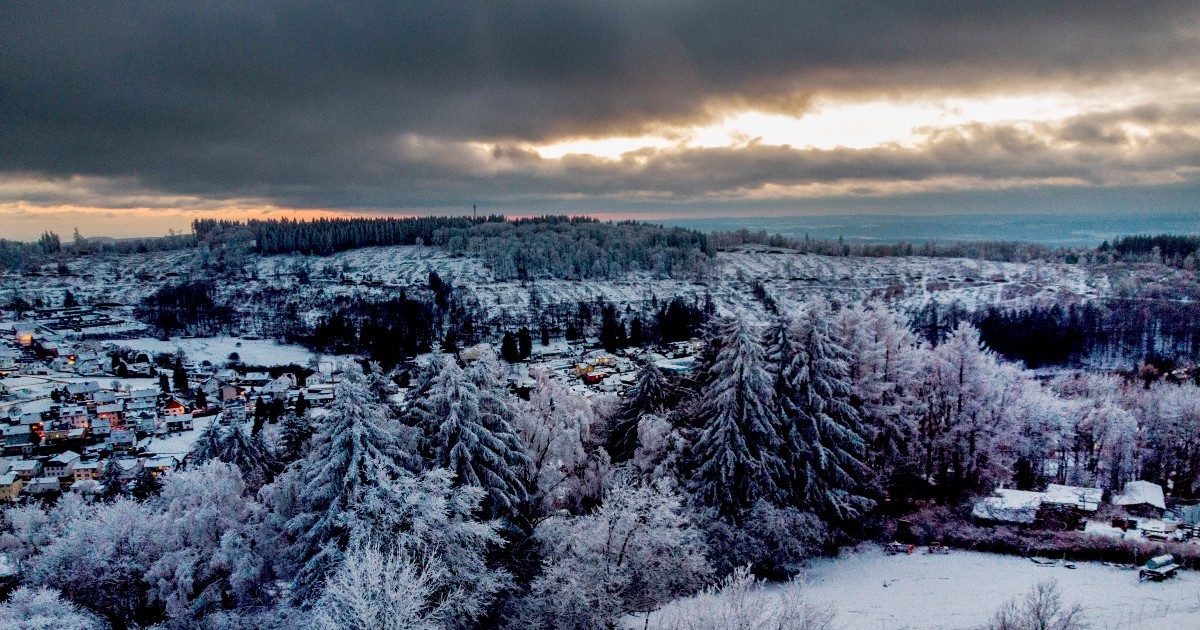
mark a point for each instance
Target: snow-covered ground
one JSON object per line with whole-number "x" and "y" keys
{"x": 262, "y": 352}
{"x": 177, "y": 444}
{"x": 872, "y": 590}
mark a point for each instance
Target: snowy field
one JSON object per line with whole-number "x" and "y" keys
{"x": 177, "y": 444}
{"x": 871, "y": 590}
{"x": 263, "y": 352}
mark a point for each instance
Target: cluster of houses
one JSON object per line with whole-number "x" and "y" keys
{"x": 1140, "y": 508}
{"x": 85, "y": 416}
{"x": 69, "y": 471}
{"x": 589, "y": 368}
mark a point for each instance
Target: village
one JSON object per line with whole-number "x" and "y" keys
{"x": 73, "y": 394}
{"x": 69, "y": 405}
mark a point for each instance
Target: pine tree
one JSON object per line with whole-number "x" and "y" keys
{"x": 737, "y": 453}
{"x": 251, "y": 456}
{"x": 110, "y": 477}
{"x": 164, "y": 383}
{"x": 466, "y": 423}
{"x": 356, "y": 453}
{"x": 294, "y": 434}
{"x": 524, "y": 343}
{"x": 508, "y": 348}
{"x": 652, "y": 393}
{"x": 822, "y": 431}
{"x": 145, "y": 484}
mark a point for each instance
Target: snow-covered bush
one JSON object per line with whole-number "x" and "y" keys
{"x": 1041, "y": 608}
{"x": 739, "y": 602}
{"x": 388, "y": 587}
{"x": 43, "y": 609}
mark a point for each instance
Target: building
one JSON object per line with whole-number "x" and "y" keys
{"x": 10, "y": 486}
{"x": 86, "y": 471}
{"x": 1142, "y": 498}
{"x": 83, "y": 391}
{"x": 181, "y": 422}
{"x": 161, "y": 465}
{"x": 27, "y": 469}
{"x": 114, "y": 413}
{"x": 61, "y": 465}
{"x": 1008, "y": 507}
{"x": 42, "y": 484}
{"x": 75, "y": 415}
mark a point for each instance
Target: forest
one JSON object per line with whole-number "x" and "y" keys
{"x": 452, "y": 503}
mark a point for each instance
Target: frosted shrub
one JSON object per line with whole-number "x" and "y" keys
{"x": 1041, "y": 608}
{"x": 739, "y": 602}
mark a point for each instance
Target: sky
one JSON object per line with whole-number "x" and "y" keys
{"x": 133, "y": 118}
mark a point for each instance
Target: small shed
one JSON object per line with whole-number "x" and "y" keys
{"x": 1142, "y": 498}
{"x": 1007, "y": 506}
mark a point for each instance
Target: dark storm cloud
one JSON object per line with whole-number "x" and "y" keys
{"x": 336, "y": 104}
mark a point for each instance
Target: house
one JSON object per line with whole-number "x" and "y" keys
{"x": 10, "y": 486}
{"x": 130, "y": 467}
{"x": 1142, "y": 498}
{"x": 255, "y": 379}
{"x": 161, "y": 465}
{"x": 61, "y": 465}
{"x": 101, "y": 428}
{"x": 278, "y": 389}
{"x": 27, "y": 469}
{"x": 42, "y": 484}
{"x": 75, "y": 415}
{"x": 143, "y": 421}
{"x": 120, "y": 439}
{"x": 182, "y": 422}
{"x": 1009, "y": 507}
{"x": 104, "y": 398}
{"x": 18, "y": 438}
{"x": 83, "y": 391}
{"x": 86, "y": 471}
{"x": 114, "y": 413}
{"x": 86, "y": 486}
{"x": 147, "y": 394}
{"x": 174, "y": 407}
{"x": 233, "y": 414}
{"x": 56, "y": 433}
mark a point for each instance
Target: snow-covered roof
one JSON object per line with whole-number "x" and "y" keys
{"x": 65, "y": 458}
{"x": 1142, "y": 493}
{"x": 1009, "y": 506}
{"x": 8, "y": 479}
{"x": 83, "y": 388}
{"x": 1086, "y": 499}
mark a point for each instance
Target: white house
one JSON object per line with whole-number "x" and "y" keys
{"x": 61, "y": 465}
{"x": 42, "y": 484}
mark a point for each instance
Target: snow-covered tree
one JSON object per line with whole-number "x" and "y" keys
{"x": 43, "y": 609}
{"x": 356, "y": 450}
{"x": 467, "y": 427}
{"x": 207, "y": 529}
{"x": 737, "y": 459}
{"x": 882, "y": 363}
{"x": 651, "y": 393}
{"x": 636, "y": 552}
{"x": 294, "y": 433}
{"x": 660, "y": 450}
{"x": 560, "y": 430}
{"x": 824, "y": 450}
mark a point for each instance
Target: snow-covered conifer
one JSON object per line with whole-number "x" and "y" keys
{"x": 737, "y": 455}
{"x": 651, "y": 393}
{"x": 822, "y": 431}
{"x": 466, "y": 424}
